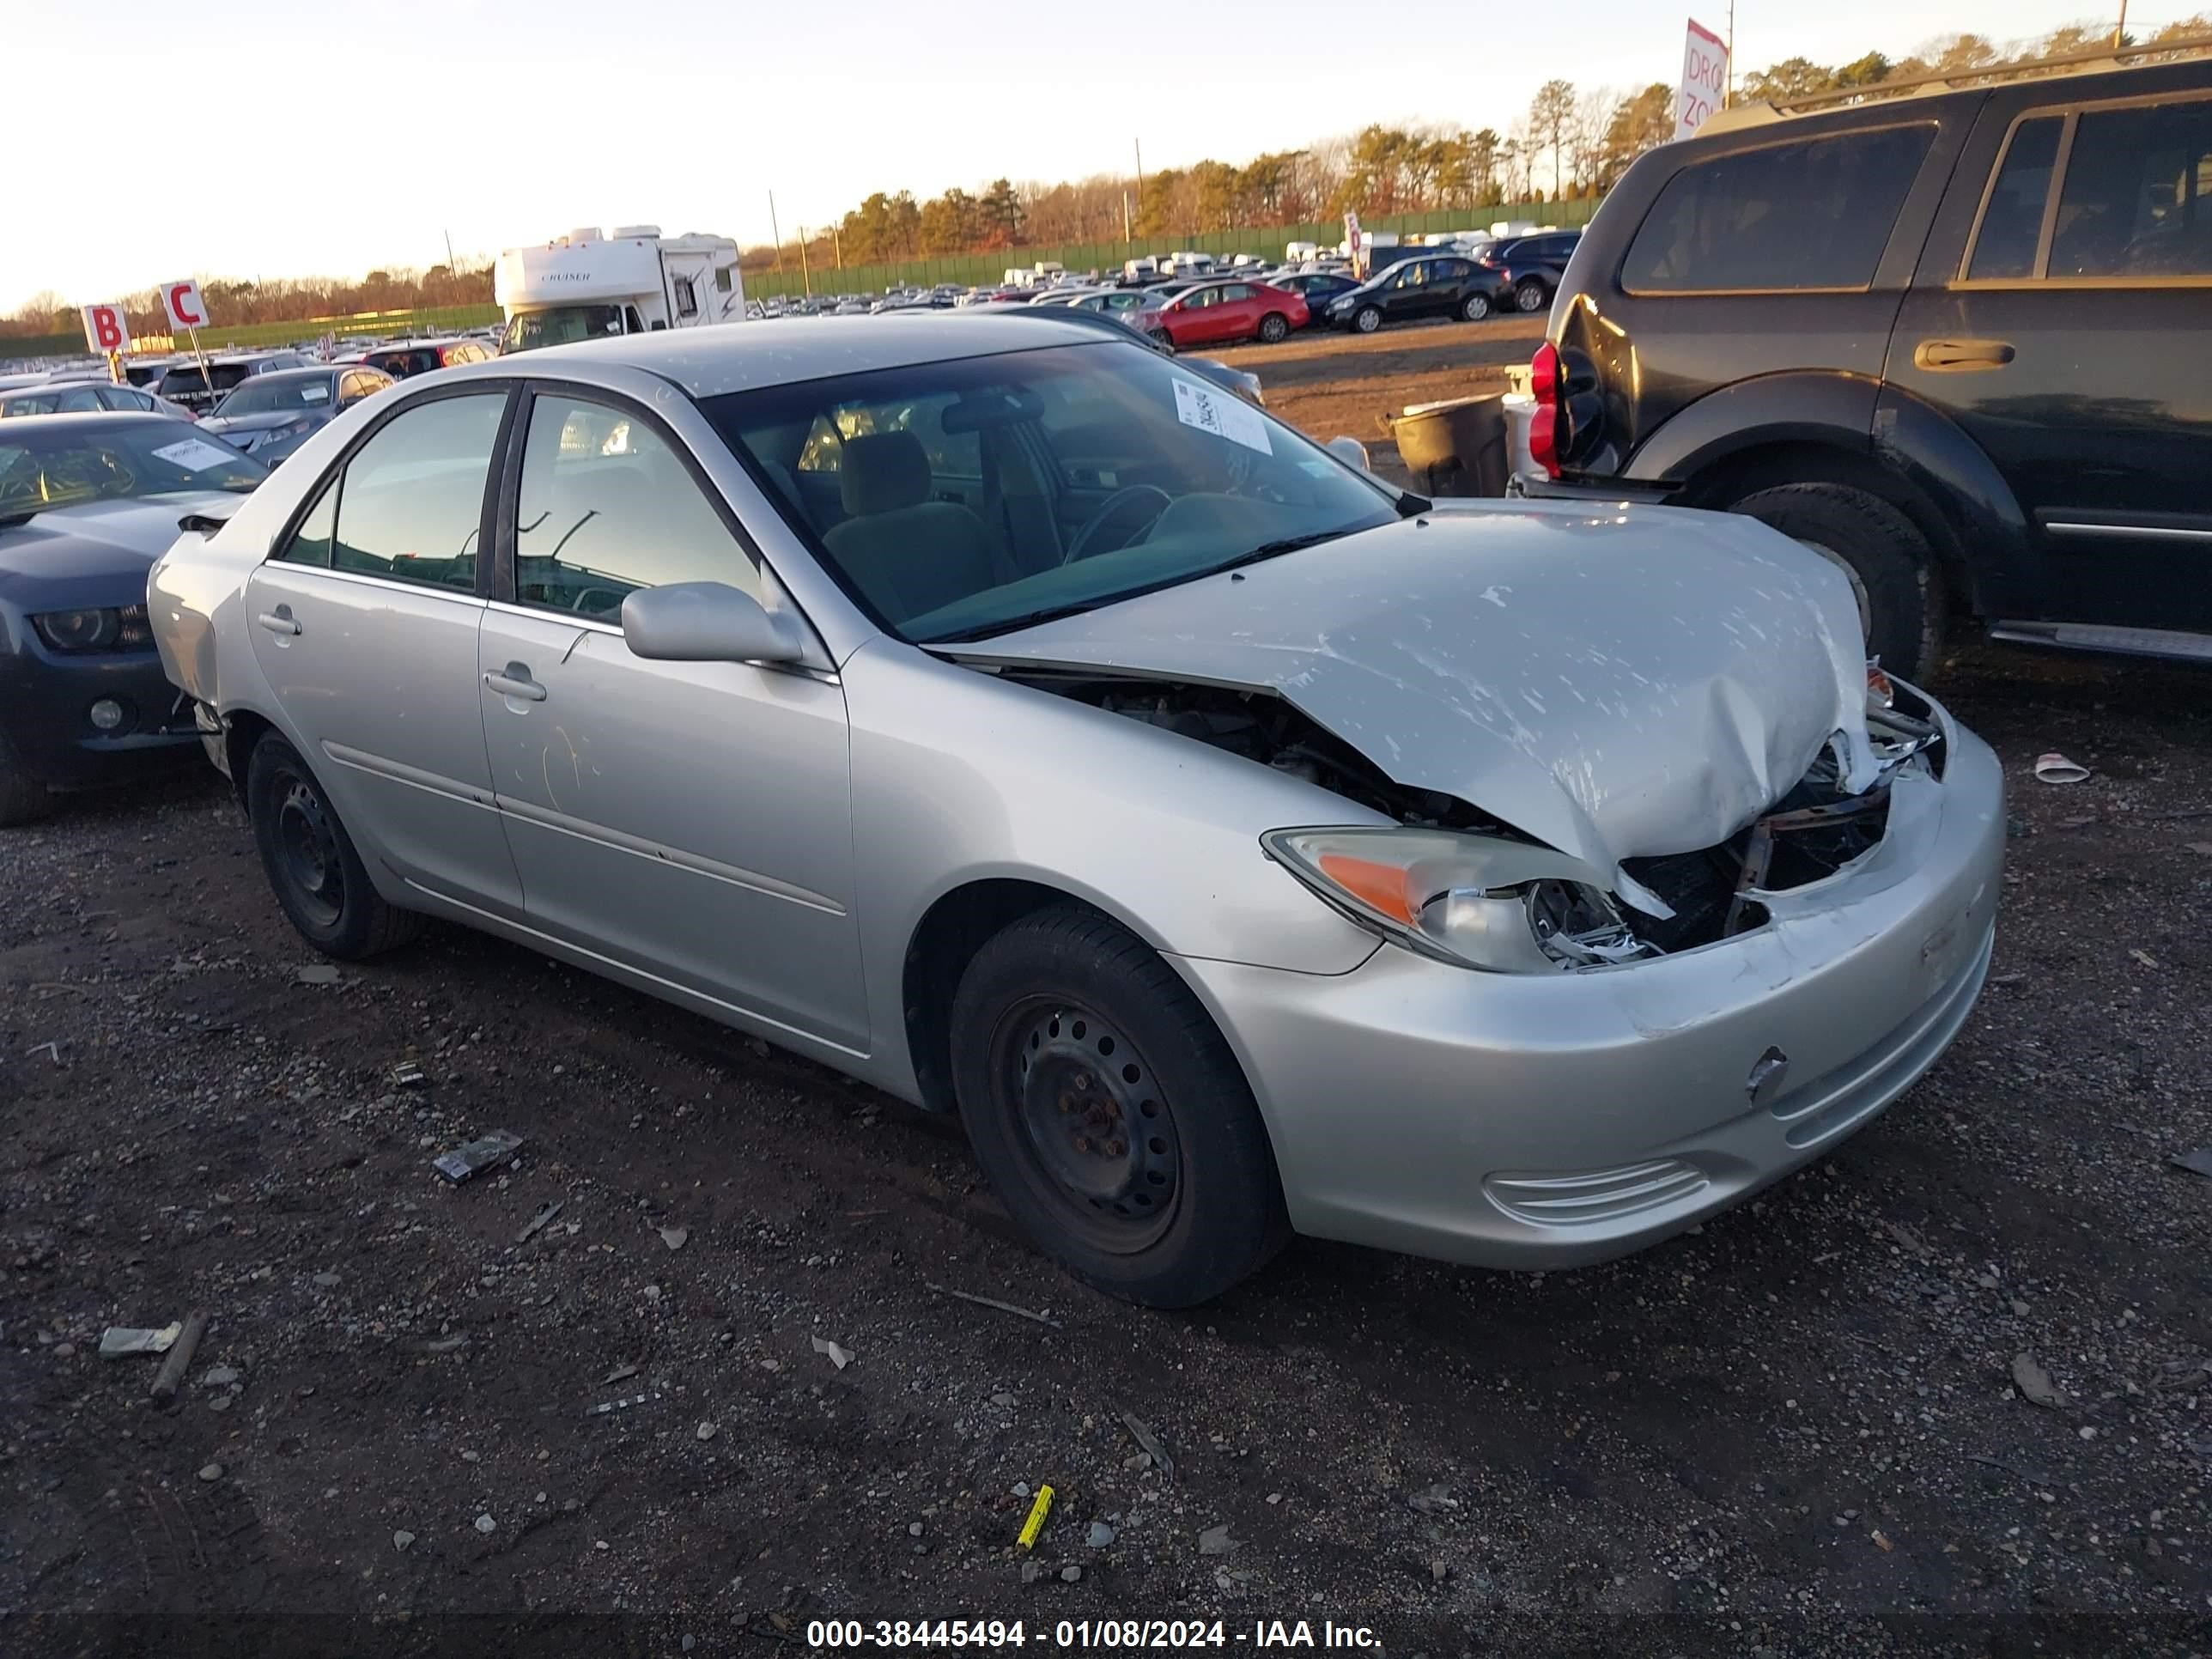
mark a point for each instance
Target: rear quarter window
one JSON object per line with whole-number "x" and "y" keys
{"x": 1815, "y": 214}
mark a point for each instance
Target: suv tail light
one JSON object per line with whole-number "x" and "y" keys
{"x": 1546, "y": 384}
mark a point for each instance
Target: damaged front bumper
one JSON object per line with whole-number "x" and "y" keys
{"x": 1553, "y": 1120}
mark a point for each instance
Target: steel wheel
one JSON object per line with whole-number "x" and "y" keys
{"x": 1096, "y": 1137}
{"x": 308, "y": 857}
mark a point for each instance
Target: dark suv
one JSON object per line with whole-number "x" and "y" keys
{"x": 1529, "y": 268}
{"x": 1961, "y": 342}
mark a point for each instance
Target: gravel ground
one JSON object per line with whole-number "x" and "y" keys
{"x": 1796, "y": 1431}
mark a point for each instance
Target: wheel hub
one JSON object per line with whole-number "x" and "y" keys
{"x": 307, "y": 846}
{"x": 1093, "y": 1115}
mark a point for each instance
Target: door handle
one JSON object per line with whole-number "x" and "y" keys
{"x": 515, "y": 681}
{"x": 279, "y": 621}
{"x": 1962, "y": 354}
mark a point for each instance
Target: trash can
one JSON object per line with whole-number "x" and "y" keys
{"x": 1454, "y": 448}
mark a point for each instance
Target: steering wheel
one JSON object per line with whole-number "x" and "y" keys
{"x": 1116, "y": 506}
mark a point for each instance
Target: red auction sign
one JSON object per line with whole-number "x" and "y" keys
{"x": 1705, "y": 78}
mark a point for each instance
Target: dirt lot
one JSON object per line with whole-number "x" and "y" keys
{"x": 1794, "y": 1432}
{"x": 1330, "y": 383}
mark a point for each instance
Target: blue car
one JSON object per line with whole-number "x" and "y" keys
{"x": 88, "y": 502}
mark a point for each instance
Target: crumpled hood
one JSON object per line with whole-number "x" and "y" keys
{"x": 1618, "y": 684}
{"x": 85, "y": 555}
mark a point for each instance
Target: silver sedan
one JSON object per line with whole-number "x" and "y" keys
{"x": 1004, "y": 716}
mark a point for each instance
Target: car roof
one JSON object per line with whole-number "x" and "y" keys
{"x": 736, "y": 357}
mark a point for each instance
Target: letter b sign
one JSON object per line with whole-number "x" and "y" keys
{"x": 105, "y": 330}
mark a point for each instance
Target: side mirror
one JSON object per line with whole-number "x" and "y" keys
{"x": 1350, "y": 452}
{"x": 705, "y": 622}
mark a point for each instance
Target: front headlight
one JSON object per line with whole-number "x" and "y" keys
{"x": 1473, "y": 901}
{"x": 123, "y": 629}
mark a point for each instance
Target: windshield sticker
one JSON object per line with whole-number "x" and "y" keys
{"x": 1222, "y": 414}
{"x": 195, "y": 455}
{"x": 312, "y": 393}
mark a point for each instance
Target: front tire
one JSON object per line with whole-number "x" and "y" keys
{"x": 1474, "y": 307}
{"x": 1367, "y": 320}
{"x": 23, "y": 799}
{"x": 1531, "y": 296}
{"x": 1162, "y": 339}
{"x": 318, "y": 877}
{"x": 1274, "y": 328}
{"x": 1114, "y": 1123}
{"x": 1891, "y": 566}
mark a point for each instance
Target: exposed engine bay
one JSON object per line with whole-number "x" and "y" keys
{"x": 1814, "y": 831}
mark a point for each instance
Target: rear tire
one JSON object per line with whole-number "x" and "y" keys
{"x": 1114, "y": 1123}
{"x": 1531, "y": 296}
{"x": 1367, "y": 320}
{"x": 1474, "y": 307}
{"x": 318, "y": 877}
{"x": 1891, "y": 567}
{"x": 23, "y": 799}
{"x": 1274, "y": 328}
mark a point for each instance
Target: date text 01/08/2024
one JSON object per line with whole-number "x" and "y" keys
{"x": 1084, "y": 1633}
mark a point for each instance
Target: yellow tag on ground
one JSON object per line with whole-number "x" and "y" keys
{"x": 1038, "y": 1511}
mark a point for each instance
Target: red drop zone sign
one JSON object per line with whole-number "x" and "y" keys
{"x": 105, "y": 330}
{"x": 1705, "y": 78}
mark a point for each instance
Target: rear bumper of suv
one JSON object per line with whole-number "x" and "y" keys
{"x": 1537, "y": 486}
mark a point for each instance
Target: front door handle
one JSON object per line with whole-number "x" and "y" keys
{"x": 1962, "y": 354}
{"x": 279, "y": 621}
{"x": 515, "y": 681}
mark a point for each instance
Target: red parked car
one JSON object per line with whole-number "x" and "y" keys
{"x": 1215, "y": 312}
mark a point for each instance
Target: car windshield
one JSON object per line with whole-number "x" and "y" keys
{"x": 962, "y": 499}
{"x": 275, "y": 393}
{"x": 559, "y": 325}
{"x": 43, "y": 470}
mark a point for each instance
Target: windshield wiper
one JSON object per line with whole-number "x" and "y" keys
{"x": 1284, "y": 544}
{"x": 1012, "y": 624}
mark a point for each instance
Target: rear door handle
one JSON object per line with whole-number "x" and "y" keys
{"x": 1962, "y": 354}
{"x": 279, "y": 621}
{"x": 515, "y": 681}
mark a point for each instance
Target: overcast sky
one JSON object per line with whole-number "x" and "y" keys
{"x": 276, "y": 139}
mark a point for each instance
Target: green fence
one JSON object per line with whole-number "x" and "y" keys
{"x": 972, "y": 270}
{"x": 388, "y": 325}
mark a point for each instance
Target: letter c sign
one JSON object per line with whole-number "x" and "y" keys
{"x": 184, "y": 305}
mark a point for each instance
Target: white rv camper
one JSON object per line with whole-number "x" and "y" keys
{"x": 585, "y": 286}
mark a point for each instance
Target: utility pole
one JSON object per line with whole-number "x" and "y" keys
{"x": 1125, "y": 217}
{"x": 775, "y": 231}
{"x": 805, "y": 276}
{"x": 1728, "y": 95}
{"x": 449, "y": 254}
{"x": 2120, "y": 29}
{"x": 838, "y": 236}
{"x": 1139, "y": 143}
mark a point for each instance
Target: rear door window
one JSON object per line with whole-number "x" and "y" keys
{"x": 2012, "y": 222}
{"x": 1815, "y": 214}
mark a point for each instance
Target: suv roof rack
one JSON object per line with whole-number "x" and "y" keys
{"x": 1759, "y": 112}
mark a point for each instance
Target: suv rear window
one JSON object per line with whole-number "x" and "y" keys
{"x": 1811, "y": 214}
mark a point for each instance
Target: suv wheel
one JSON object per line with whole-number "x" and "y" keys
{"x": 1531, "y": 294}
{"x": 311, "y": 863}
{"x": 1891, "y": 566}
{"x": 1115, "y": 1126}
